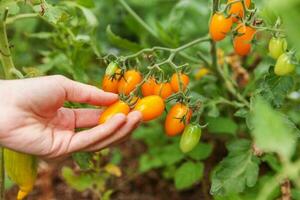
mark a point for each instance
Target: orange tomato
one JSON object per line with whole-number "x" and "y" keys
{"x": 118, "y": 107}
{"x": 219, "y": 26}
{"x": 237, "y": 9}
{"x": 110, "y": 84}
{"x": 129, "y": 81}
{"x": 164, "y": 90}
{"x": 174, "y": 123}
{"x": 175, "y": 83}
{"x": 242, "y": 42}
{"x": 151, "y": 107}
{"x": 148, "y": 87}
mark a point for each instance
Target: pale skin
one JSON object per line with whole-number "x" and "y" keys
{"x": 33, "y": 119}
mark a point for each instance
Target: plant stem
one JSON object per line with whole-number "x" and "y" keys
{"x": 10, "y": 71}
{"x": 289, "y": 170}
{"x": 151, "y": 31}
{"x": 5, "y": 53}
{"x": 11, "y": 20}
{"x": 138, "y": 19}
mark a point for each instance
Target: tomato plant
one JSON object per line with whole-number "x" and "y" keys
{"x": 284, "y": 65}
{"x": 190, "y": 137}
{"x": 151, "y": 107}
{"x": 163, "y": 89}
{"x": 177, "y": 118}
{"x": 118, "y": 107}
{"x": 128, "y": 82}
{"x": 277, "y": 46}
{"x": 148, "y": 87}
{"x": 219, "y": 26}
{"x": 219, "y": 77}
{"x": 237, "y": 9}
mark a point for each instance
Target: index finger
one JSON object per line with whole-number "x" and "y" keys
{"x": 83, "y": 93}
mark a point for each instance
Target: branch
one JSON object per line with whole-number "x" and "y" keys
{"x": 11, "y": 20}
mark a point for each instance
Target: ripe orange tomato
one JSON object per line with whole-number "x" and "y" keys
{"x": 219, "y": 26}
{"x": 174, "y": 123}
{"x": 118, "y": 107}
{"x": 129, "y": 81}
{"x": 164, "y": 90}
{"x": 151, "y": 107}
{"x": 237, "y": 9}
{"x": 175, "y": 83}
{"x": 110, "y": 84}
{"x": 148, "y": 87}
{"x": 242, "y": 42}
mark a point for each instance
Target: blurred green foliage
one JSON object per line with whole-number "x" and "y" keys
{"x": 71, "y": 37}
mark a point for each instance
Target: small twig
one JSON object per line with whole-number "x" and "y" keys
{"x": 11, "y": 20}
{"x": 286, "y": 190}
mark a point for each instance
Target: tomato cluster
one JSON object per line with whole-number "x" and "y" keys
{"x": 278, "y": 50}
{"x": 149, "y": 96}
{"x": 222, "y": 23}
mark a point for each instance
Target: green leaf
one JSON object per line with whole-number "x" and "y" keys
{"x": 275, "y": 88}
{"x": 148, "y": 162}
{"x": 12, "y": 6}
{"x": 41, "y": 35}
{"x": 201, "y": 151}
{"x": 273, "y": 132}
{"x": 272, "y": 162}
{"x": 238, "y": 170}
{"x": 188, "y": 174}
{"x": 83, "y": 159}
{"x": 120, "y": 42}
{"x": 221, "y": 125}
{"x": 79, "y": 182}
{"x": 161, "y": 156}
{"x": 86, "y": 3}
{"x": 241, "y": 113}
{"x": 116, "y": 157}
{"x": 89, "y": 16}
{"x": 53, "y": 14}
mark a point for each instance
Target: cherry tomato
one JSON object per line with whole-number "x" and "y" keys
{"x": 148, "y": 87}
{"x": 151, "y": 107}
{"x": 175, "y": 122}
{"x": 175, "y": 84}
{"x": 219, "y": 26}
{"x": 277, "y": 46}
{"x": 242, "y": 42}
{"x": 237, "y": 9}
{"x": 284, "y": 65}
{"x": 110, "y": 84}
{"x": 118, "y": 107}
{"x": 111, "y": 69}
{"x": 190, "y": 137}
{"x": 164, "y": 90}
{"x": 129, "y": 81}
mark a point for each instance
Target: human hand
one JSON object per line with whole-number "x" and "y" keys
{"x": 33, "y": 119}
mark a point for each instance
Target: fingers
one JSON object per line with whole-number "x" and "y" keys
{"x": 133, "y": 120}
{"x": 85, "y": 118}
{"x": 82, "y": 93}
{"x": 83, "y": 139}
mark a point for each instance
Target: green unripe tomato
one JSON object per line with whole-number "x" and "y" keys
{"x": 111, "y": 69}
{"x": 277, "y": 46}
{"x": 284, "y": 65}
{"x": 190, "y": 137}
